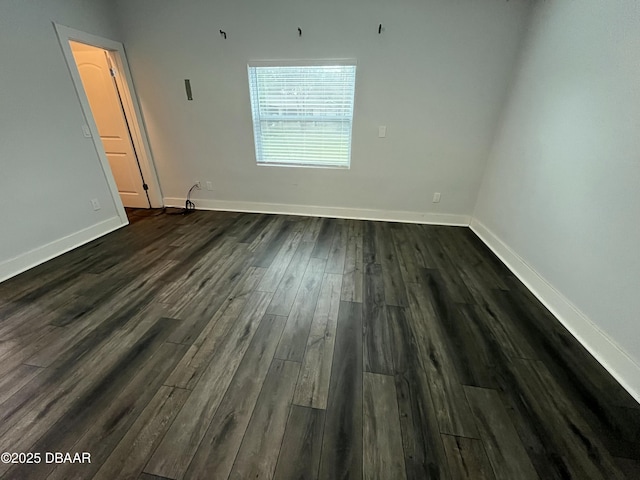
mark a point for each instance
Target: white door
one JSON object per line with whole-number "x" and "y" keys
{"x": 106, "y": 107}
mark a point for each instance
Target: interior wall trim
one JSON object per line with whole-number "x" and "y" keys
{"x": 603, "y": 348}
{"x": 23, "y": 262}
{"x": 333, "y": 212}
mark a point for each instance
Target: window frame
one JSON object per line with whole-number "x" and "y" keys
{"x": 300, "y": 63}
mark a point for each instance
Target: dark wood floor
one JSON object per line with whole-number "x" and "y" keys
{"x": 222, "y": 345}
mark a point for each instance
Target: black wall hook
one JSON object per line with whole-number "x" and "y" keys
{"x": 224, "y": 34}
{"x": 299, "y": 32}
{"x": 379, "y": 29}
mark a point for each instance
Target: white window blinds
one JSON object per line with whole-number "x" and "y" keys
{"x": 302, "y": 115}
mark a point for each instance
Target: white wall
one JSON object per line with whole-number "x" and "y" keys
{"x": 436, "y": 78}
{"x": 562, "y": 188}
{"x": 48, "y": 170}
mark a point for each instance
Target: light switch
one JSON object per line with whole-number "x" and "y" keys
{"x": 85, "y": 131}
{"x": 382, "y": 131}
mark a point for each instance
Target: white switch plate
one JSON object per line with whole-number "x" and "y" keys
{"x": 382, "y": 131}
{"x": 95, "y": 204}
{"x": 209, "y": 186}
{"x": 85, "y": 131}
{"x": 436, "y": 197}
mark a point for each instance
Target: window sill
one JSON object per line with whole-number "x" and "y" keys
{"x": 302, "y": 165}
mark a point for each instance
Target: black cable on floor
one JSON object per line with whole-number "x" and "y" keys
{"x": 189, "y": 206}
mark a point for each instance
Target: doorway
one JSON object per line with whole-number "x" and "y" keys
{"x": 101, "y": 76}
{"x": 99, "y": 81}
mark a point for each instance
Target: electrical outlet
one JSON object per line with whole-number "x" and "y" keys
{"x": 198, "y": 184}
{"x": 95, "y": 204}
{"x": 436, "y": 197}
{"x": 209, "y": 186}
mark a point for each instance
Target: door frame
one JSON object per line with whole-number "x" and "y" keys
{"x": 131, "y": 109}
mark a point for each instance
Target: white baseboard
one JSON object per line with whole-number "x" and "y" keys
{"x": 334, "y": 212}
{"x": 14, "y": 266}
{"x": 605, "y": 350}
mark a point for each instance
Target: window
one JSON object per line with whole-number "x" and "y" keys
{"x": 302, "y": 113}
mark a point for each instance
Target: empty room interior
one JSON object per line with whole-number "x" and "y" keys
{"x": 320, "y": 240}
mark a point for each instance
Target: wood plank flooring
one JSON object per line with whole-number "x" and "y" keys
{"x": 224, "y": 345}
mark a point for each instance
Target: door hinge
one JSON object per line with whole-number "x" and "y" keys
{"x": 145, "y": 186}
{"x": 113, "y": 72}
